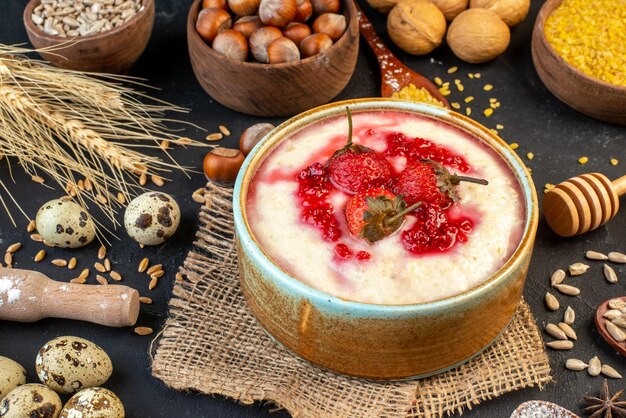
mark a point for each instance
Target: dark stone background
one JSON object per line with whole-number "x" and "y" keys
{"x": 534, "y": 118}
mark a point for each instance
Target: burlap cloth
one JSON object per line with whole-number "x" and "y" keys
{"x": 212, "y": 343}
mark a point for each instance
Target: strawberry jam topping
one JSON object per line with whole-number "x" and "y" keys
{"x": 343, "y": 252}
{"x": 417, "y": 149}
{"x": 435, "y": 231}
{"x": 313, "y": 191}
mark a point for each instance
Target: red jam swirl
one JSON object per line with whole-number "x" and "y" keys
{"x": 417, "y": 149}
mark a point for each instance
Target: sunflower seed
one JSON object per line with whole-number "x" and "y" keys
{"x": 72, "y": 263}
{"x": 154, "y": 269}
{"x": 567, "y": 330}
{"x": 143, "y": 265}
{"x": 102, "y": 252}
{"x": 577, "y": 269}
{"x": 40, "y": 256}
{"x": 115, "y": 276}
{"x": 569, "y": 316}
{"x": 609, "y": 274}
{"x": 555, "y": 332}
{"x": 611, "y": 314}
{"x": 107, "y": 264}
{"x": 557, "y": 277}
{"x": 31, "y": 226}
{"x": 615, "y": 332}
{"x": 14, "y": 247}
{"x": 153, "y": 283}
{"x": 59, "y": 262}
{"x": 595, "y": 366}
{"x": 620, "y": 321}
{"x": 567, "y": 289}
{"x": 84, "y": 274}
{"x": 610, "y": 372}
{"x": 143, "y": 330}
{"x": 575, "y": 364}
{"x": 551, "y": 301}
{"x": 617, "y": 257}
{"x": 594, "y": 255}
{"x": 101, "y": 279}
{"x": 617, "y": 303}
{"x": 100, "y": 267}
{"x": 146, "y": 300}
{"x": 560, "y": 344}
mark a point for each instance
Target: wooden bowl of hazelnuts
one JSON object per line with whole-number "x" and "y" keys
{"x": 273, "y": 57}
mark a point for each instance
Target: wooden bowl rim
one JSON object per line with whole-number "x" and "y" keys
{"x": 191, "y": 30}
{"x": 546, "y": 10}
{"x": 31, "y": 27}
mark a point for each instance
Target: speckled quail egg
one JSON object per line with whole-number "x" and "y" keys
{"x": 12, "y": 375}
{"x": 31, "y": 400}
{"x": 152, "y": 218}
{"x": 93, "y": 403}
{"x": 69, "y": 364}
{"x": 63, "y": 223}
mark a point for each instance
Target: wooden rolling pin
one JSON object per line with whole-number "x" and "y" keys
{"x": 582, "y": 203}
{"x": 28, "y": 296}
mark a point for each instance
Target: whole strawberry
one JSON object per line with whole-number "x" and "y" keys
{"x": 429, "y": 182}
{"x": 355, "y": 168}
{"x": 375, "y": 214}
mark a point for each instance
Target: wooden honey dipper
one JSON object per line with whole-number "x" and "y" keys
{"x": 582, "y": 203}
{"x": 28, "y": 296}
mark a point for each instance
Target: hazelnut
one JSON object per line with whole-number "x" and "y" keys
{"x": 260, "y": 40}
{"x": 277, "y": 13}
{"x": 297, "y": 32}
{"x": 383, "y": 6}
{"x": 511, "y": 12}
{"x": 332, "y": 24}
{"x": 478, "y": 35}
{"x": 416, "y": 26}
{"x": 282, "y": 50}
{"x": 314, "y": 44}
{"x": 325, "y": 6}
{"x": 221, "y": 165}
{"x": 451, "y": 8}
{"x": 218, "y": 4}
{"x": 247, "y": 24}
{"x": 252, "y": 135}
{"x": 232, "y": 44}
{"x": 244, "y": 7}
{"x": 304, "y": 10}
{"x": 211, "y": 21}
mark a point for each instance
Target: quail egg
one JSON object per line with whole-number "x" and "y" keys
{"x": 93, "y": 403}
{"x": 31, "y": 400}
{"x": 63, "y": 223}
{"x": 12, "y": 375}
{"x": 152, "y": 218}
{"x": 69, "y": 364}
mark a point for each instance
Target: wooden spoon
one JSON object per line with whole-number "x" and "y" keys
{"x": 601, "y": 321}
{"x": 395, "y": 75}
{"x": 28, "y": 296}
{"x": 582, "y": 203}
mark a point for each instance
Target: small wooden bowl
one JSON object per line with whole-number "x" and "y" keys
{"x": 586, "y": 94}
{"x": 274, "y": 89}
{"x": 114, "y": 51}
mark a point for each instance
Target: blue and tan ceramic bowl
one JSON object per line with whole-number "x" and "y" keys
{"x": 380, "y": 341}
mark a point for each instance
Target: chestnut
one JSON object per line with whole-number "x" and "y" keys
{"x": 314, "y": 44}
{"x": 232, "y": 44}
{"x": 282, "y": 50}
{"x": 332, "y": 24}
{"x": 218, "y": 4}
{"x": 297, "y": 31}
{"x": 325, "y": 6}
{"x": 247, "y": 24}
{"x": 252, "y": 135}
{"x": 211, "y": 21}
{"x": 260, "y": 40}
{"x": 244, "y": 7}
{"x": 277, "y": 13}
{"x": 304, "y": 10}
{"x": 221, "y": 165}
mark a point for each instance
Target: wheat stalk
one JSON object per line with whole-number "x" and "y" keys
{"x": 76, "y": 129}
